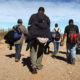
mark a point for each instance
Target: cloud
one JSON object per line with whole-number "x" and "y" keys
{"x": 57, "y": 11}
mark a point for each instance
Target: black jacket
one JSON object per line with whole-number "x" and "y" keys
{"x": 39, "y": 26}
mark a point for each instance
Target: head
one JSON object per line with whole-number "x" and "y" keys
{"x": 20, "y": 21}
{"x": 56, "y": 25}
{"x": 71, "y": 22}
{"x": 41, "y": 10}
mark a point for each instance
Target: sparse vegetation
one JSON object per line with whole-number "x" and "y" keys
{"x": 2, "y": 34}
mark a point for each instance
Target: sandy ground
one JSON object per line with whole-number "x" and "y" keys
{"x": 53, "y": 69}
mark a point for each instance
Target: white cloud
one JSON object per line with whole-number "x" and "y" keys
{"x": 14, "y": 9}
{"x": 10, "y": 11}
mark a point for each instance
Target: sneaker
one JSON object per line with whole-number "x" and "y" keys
{"x": 53, "y": 55}
{"x": 16, "y": 60}
{"x": 34, "y": 71}
{"x": 69, "y": 60}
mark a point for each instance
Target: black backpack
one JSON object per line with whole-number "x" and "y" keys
{"x": 57, "y": 35}
{"x": 72, "y": 37}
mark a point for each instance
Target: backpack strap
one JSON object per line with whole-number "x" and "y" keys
{"x": 56, "y": 30}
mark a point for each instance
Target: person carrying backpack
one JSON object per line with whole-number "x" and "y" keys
{"x": 38, "y": 35}
{"x": 72, "y": 33}
{"x": 57, "y": 37}
{"x": 19, "y": 35}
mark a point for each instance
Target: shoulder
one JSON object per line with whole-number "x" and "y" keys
{"x": 76, "y": 26}
{"x": 67, "y": 27}
{"x": 59, "y": 29}
{"x": 22, "y": 26}
{"x": 33, "y": 15}
{"x": 46, "y": 17}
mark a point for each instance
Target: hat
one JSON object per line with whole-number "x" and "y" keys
{"x": 19, "y": 21}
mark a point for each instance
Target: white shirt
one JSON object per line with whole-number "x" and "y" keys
{"x": 57, "y": 29}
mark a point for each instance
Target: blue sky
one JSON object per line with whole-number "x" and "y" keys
{"x": 59, "y": 11}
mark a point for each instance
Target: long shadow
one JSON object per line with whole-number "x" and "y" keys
{"x": 27, "y": 62}
{"x": 11, "y": 55}
{"x": 61, "y": 58}
{"x": 51, "y": 52}
{"x": 62, "y": 52}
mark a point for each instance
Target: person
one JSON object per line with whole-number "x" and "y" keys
{"x": 18, "y": 43}
{"x": 57, "y": 39}
{"x": 39, "y": 33}
{"x": 72, "y": 33}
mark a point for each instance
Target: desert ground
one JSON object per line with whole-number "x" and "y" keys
{"x": 53, "y": 68}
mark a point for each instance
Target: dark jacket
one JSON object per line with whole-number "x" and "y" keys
{"x": 39, "y": 26}
{"x": 9, "y": 37}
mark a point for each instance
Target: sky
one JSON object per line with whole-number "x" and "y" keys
{"x": 59, "y": 11}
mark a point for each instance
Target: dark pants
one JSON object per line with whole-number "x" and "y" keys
{"x": 18, "y": 48}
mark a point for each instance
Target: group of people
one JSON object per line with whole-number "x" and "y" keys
{"x": 38, "y": 34}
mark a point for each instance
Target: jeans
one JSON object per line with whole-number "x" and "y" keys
{"x": 71, "y": 51}
{"x": 56, "y": 47}
{"x": 18, "y": 48}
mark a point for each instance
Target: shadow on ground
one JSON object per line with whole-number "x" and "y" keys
{"x": 27, "y": 62}
{"x": 11, "y": 55}
{"x": 59, "y": 58}
{"x": 62, "y": 52}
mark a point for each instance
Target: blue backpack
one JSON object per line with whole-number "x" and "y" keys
{"x": 17, "y": 33}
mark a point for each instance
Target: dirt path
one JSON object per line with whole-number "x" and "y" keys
{"x": 53, "y": 69}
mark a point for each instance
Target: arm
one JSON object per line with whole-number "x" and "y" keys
{"x": 30, "y": 22}
{"x": 65, "y": 34}
{"x": 61, "y": 37}
{"x": 25, "y": 31}
{"x": 77, "y": 33}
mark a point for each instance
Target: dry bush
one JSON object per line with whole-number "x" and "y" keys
{"x": 2, "y": 34}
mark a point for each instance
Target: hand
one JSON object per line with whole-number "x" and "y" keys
{"x": 78, "y": 41}
{"x": 62, "y": 43}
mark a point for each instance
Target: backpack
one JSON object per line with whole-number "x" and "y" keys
{"x": 17, "y": 33}
{"x": 57, "y": 35}
{"x": 72, "y": 37}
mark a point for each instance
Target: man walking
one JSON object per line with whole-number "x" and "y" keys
{"x": 18, "y": 43}
{"x": 72, "y": 33}
{"x": 39, "y": 33}
{"x": 57, "y": 38}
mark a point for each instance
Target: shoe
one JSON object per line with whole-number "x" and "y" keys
{"x": 69, "y": 60}
{"x": 53, "y": 55}
{"x": 40, "y": 67}
{"x": 73, "y": 61}
{"x": 34, "y": 71}
{"x": 16, "y": 60}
